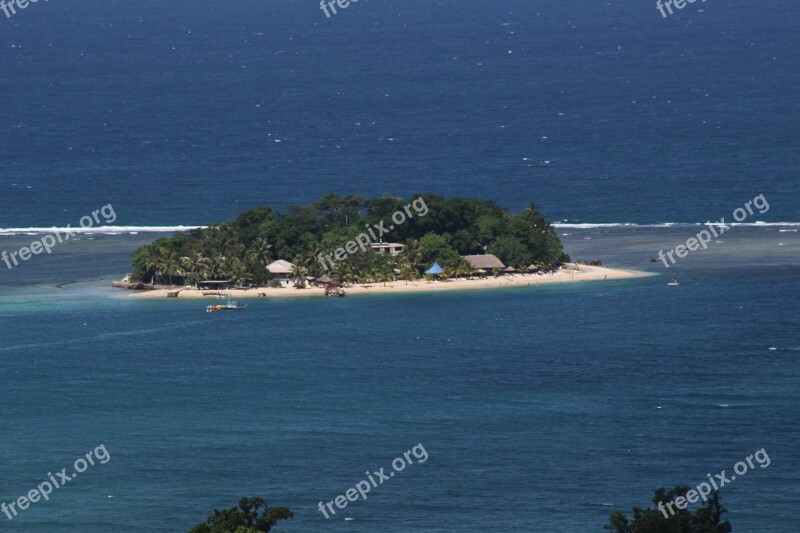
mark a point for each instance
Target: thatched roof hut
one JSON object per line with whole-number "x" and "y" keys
{"x": 486, "y": 261}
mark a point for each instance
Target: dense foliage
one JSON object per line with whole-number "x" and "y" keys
{"x": 248, "y": 517}
{"x": 707, "y": 519}
{"x": 240, "y": 250}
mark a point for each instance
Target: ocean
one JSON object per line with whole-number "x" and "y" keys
{"x": 541, "y": 408}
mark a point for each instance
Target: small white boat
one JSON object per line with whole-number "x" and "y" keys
{"x": 673, "y": 283}
{"x": 231, "y": 305}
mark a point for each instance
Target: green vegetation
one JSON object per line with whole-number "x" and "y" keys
{"x": 240, "y": 250}
{"x": 244, "y": 519}
{"x": 707, "y": 519}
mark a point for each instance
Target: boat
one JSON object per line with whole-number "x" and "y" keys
{"x": 673, "y": 283}
{"x": 231, "y": 305}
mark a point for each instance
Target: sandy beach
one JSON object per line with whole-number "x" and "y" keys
{"x": 586, "y": 273}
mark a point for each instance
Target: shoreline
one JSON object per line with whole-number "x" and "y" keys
{"x": 586, "y": 273}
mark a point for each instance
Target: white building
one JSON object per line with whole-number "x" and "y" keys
{"x": 391, "y": 248}
{"x": 281, "y": 271}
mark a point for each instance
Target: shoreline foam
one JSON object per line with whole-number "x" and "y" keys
{"x": 125, "y": 230}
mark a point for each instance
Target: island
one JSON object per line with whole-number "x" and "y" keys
{"x": 351, "y": 244}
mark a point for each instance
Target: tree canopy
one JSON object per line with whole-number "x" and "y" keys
{"x": 707, "y": 519}
{"x": 241, "y": 249}
{"x": 245, "y": 518}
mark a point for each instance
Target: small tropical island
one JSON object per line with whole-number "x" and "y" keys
{"x": 351, "y": 244}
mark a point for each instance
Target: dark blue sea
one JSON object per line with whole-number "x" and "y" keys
{"x": 540, "y": 408}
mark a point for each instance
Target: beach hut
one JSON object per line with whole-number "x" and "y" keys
{"x": 330, "y": 285}
{"x": 532, "y": 268}
{"x": 510, "y": 270}
{"x": 484, "y": 263}
{"x": 281, "y": 271}
{"x": 435, "y": 270}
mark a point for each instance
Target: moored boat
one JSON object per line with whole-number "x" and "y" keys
{"x": 231, "y": 305}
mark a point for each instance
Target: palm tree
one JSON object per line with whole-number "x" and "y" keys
{"x": 218, "y": 267}
{"x": 236, "y": 270}
{"x": 260, "y": 252}
{"x": 299, "y": 274}
{"x": 191, "y": 266}
{"x": 465, "y": 269}
{"x": 171, "y": 265}
{"x": 188, "y": 265}
{"x": 343, "y": 271}
{"x": 204, "y": 266}
{"x": 536, "y": 219}
{"x": 158, "y": 260}
{"x": 384, "y": 272}
{"x": 413, "y": 255}
{"x": 152, "y": 262}
{"x": 371, "y": 274}
{"x": 407, "y": 273}
{"x": 383, "y": 277}
{"x": 310, "y": 258}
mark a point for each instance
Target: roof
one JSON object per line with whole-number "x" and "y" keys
{"x": 324, "y": 279}
{"x": 532, "y": 267}
{"x": 387, "y": 245}
{"x": 280, "y": 267}
{"x": 487, "y": 261}
{"x": 435, "y": 269}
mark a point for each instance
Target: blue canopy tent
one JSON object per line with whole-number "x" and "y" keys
{"x": 435, "y": 269}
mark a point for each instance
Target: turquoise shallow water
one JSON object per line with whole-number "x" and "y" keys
{"x": 542, "y": 409}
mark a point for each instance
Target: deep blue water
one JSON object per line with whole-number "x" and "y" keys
{"x": 601, "y": 112}
{"x": 542, "y": 409}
